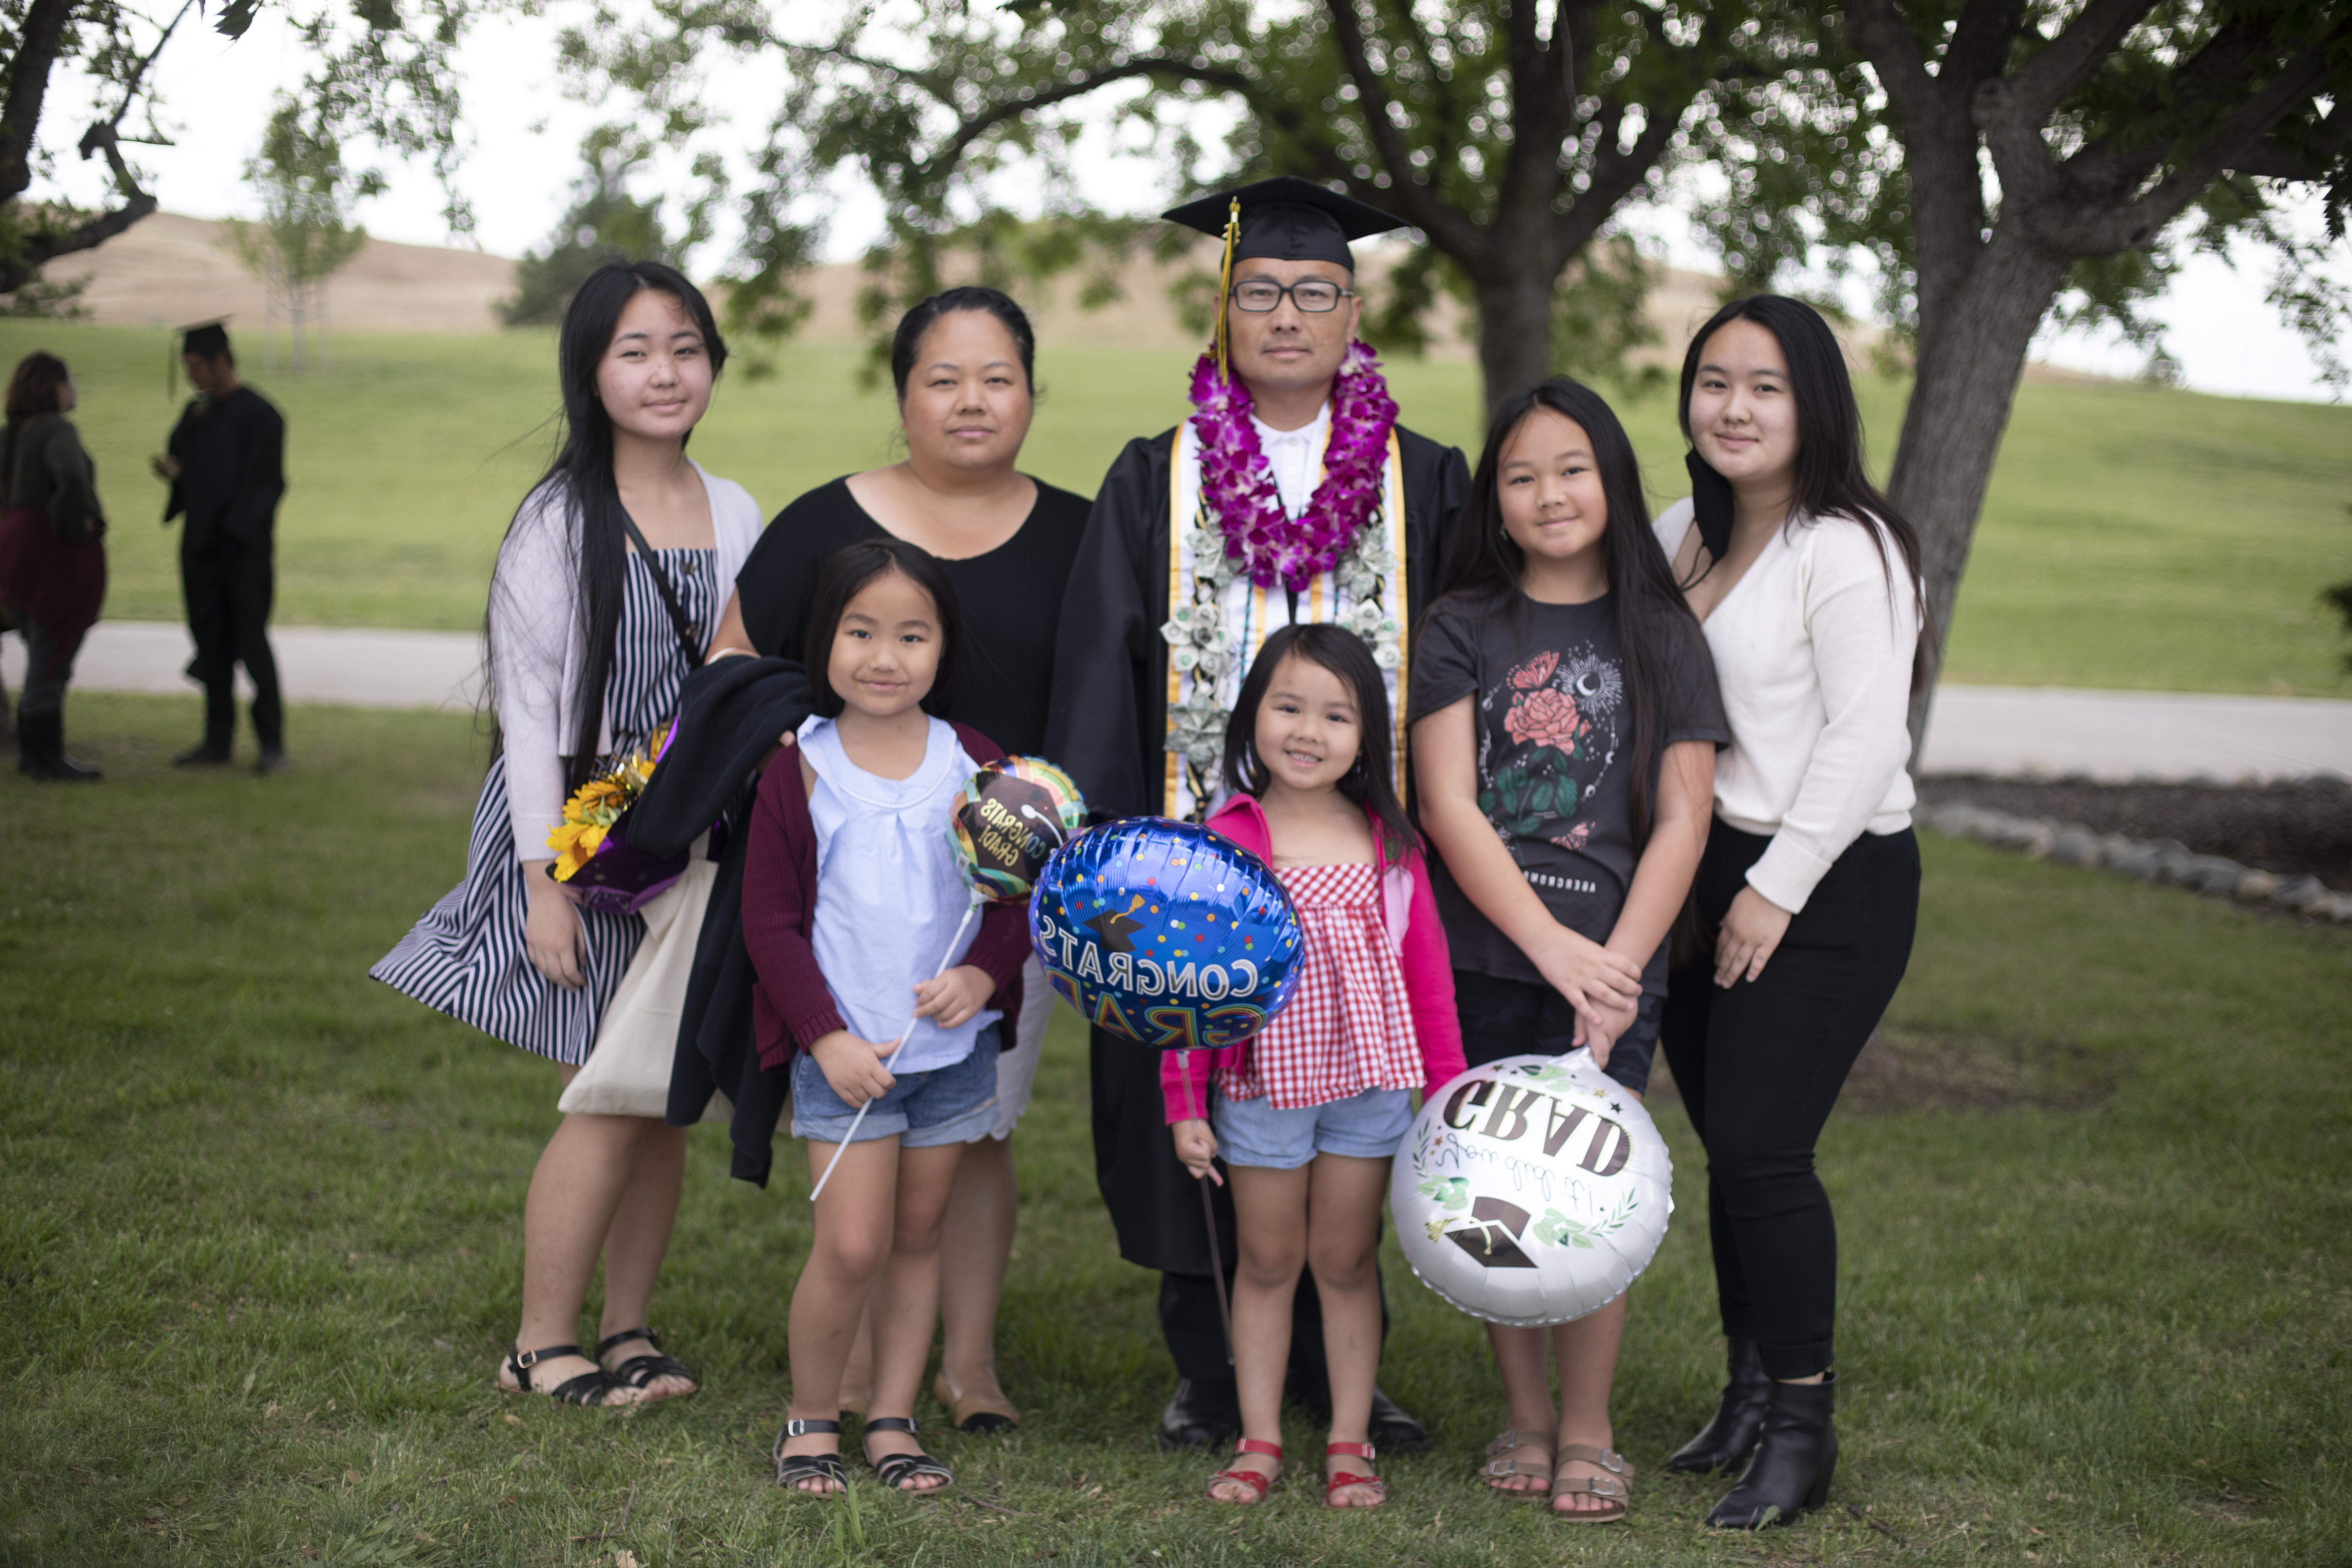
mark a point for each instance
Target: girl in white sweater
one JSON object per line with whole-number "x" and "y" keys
{"x": 1806, "y": 583}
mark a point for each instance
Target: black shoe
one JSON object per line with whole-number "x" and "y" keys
{"x": 1794, "y": 1459}
{"x": 1393, "y": 1431}
{"x": 204, "y": 756}
{"x": 271, "y": 761}
{"x": 1730, "y": 1434}
{"x": 41, "y": 751}
{"x": 1204, "y": 1411}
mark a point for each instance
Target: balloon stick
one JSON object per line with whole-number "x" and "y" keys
{"x": 843, "y": 1148}
{"x": 1209, "y": 1214}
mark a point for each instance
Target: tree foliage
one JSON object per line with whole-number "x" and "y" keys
{"x": 2124, "y": 135}
{"x": 305, "y": 235}
{"x": 1508, "y": 135}
{"x": 379, "y": 71}
{"x": 605, "y": 223}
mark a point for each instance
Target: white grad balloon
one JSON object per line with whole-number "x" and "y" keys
{"x": 1532, "y": 1190}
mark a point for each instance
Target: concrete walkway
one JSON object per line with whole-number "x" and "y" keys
{"x": 1974, "y": 729}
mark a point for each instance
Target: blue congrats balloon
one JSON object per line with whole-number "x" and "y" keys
{"x": 1166, "y": 933}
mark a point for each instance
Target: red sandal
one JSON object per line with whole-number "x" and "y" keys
{"x": 1258, "y": 1484}
{"x": 1337, "y": 1478}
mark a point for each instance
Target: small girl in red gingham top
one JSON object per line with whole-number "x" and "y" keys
{"x": 1308, "y": 1113}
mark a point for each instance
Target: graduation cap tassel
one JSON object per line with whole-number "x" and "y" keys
{"x": 1225, "y": 279}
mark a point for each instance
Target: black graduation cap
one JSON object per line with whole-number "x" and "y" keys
{"x": 207, "y": 338}
{"x": 1288, "y": 219}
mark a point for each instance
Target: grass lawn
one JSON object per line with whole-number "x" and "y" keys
{"x": 259, "y": 1223}
{"x": 2134, "y": 537}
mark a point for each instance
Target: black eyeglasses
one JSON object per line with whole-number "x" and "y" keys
{"x": 1259, "y": 295}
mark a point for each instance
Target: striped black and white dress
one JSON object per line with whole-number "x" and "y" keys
{"x": 466, "y": 957}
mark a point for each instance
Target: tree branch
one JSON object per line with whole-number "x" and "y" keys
{"x": 1427, "y": 211}
{"x": 976, "y": 126}
{"x": 38, "y": 39}
{"x": 2069, "y": 228}
{"x": 1881, "y": 35}
{"x": 1980, "y": 44}
{"x": 2054, "y": 72}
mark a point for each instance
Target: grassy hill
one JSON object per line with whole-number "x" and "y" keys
{"x": 2135, "y": 537}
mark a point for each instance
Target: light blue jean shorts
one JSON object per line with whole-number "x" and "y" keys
{"x": 1366, "y": 1126}
{"x": 951, "y": 1104}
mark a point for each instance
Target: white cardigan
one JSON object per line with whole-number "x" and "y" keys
{"x": 1812, "y": 650}
{"x": 536, "y": 658}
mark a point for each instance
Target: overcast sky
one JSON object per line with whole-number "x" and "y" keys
{"x": 523, "y": 158}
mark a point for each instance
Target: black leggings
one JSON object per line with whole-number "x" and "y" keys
{"x": 1760, "y": 1064}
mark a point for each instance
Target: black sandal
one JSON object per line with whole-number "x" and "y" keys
{"x": 640, "y": 1371}
{"x": 794, "y": 1469}
{"x": 588, "y": 1388}
{"x": 896, "y": 1468}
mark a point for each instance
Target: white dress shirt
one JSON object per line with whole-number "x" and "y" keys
{"x": 1296, "y": 457}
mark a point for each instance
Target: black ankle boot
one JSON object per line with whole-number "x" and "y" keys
{"x": 41, "y": 751}
{"x": 1730, "y": 1433}
{"x": 1794, "y": 1459}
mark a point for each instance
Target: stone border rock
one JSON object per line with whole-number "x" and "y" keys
{"x": 2162, "y": 860}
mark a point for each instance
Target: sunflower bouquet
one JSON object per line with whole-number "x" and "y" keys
{"x": 591, "y": 853}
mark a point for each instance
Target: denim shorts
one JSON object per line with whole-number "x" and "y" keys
{"x": 951, "y": 1104}
{"x": 1366, "y": 1126}
{"x": 1517, "y": 1018}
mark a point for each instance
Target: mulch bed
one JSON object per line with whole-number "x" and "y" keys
{"x": 2293, "y": 827}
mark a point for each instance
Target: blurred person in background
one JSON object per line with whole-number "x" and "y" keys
{"x": 226, "y": 465}
{"x": 52, "y": 556}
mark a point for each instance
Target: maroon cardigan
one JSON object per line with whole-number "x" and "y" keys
{"x": 791, "y": 1008}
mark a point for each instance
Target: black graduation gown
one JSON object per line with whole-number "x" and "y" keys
{"x": 1107, "y": 728}
{"x": 232, "y": 469}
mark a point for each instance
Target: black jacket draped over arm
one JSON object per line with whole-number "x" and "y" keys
{"x": 730, "y": 714}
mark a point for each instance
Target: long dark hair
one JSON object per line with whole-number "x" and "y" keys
{"x": 907, "y": 340}
{"x": 1371, "y": 783}
{"x": 1655, "y": 630}
{"x": 849, "y": 569}
{"x": 38, "y": 386}
{"x": 581, "y": 476}
{"x": 1833, "y": 478}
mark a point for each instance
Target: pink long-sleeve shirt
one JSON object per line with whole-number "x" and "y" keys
{"x": 1408, "y": 911}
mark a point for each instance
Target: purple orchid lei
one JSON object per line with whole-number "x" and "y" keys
{"x": 1237, "y": 484}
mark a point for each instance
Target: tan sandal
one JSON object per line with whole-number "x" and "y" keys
{"x": 1500, "y": 1467}
{"x": 1615, "y": 1489}
{"x": 976, "y": 1412}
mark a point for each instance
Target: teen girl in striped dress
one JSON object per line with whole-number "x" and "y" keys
{"x": 591, "y": 638}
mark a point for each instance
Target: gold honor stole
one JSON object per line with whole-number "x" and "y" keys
{"x": 1252, "y": 613}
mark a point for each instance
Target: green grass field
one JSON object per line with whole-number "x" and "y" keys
{"x": 2135, "y": 537}
{"x": 259, "y": 1223}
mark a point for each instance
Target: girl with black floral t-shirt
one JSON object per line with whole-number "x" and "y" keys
{"x": 1565, "y": 727}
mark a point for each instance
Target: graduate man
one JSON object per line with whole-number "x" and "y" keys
{"x": 1340, "y": 513}
{"x": 226, "y": 467}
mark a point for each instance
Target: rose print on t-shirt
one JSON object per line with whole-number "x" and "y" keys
{"x": 1560, "y": 724}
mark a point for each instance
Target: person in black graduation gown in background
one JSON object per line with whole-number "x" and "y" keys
{"x": 1290, "y": 317}
{"x": 226, "y": 465}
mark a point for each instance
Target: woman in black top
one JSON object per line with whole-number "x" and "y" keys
{"x": 962, "y": 362}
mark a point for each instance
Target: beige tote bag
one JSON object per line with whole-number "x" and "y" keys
{"x": 627, "y": 1073}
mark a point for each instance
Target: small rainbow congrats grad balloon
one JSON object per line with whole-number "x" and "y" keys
{"x": 1531, "y": 1190}
{"x": 1166, "y": 933}
{"x": 1008, "y": 821}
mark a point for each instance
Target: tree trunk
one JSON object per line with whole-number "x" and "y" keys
{"x": 1968, "y": 367}
{"x": 1515, "y": 323}
{"x": 294, "y": 290}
